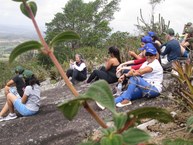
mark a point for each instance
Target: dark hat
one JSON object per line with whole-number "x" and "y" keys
{"x": 150, "y": 33}
{"x": 27, "y": 74}
{"x": 170, "y": 32}
{"x": 19, "y": 69}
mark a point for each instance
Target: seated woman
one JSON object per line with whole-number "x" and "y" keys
{"x": 108, "y": 72}
{"x": 134, "y": 64}
{"x": 29, "y": 103}
{"x": 155, "y": 38}
{"x": 77, "y": 69}
{"x": 145, "y": 82}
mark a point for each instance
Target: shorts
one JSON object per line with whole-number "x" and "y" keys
{"x": 13, "y": 90}
{"x": 22, "y": 109}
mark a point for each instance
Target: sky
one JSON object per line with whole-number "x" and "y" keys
{"x": 177, "y": 11}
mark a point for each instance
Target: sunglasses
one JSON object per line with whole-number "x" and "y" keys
{"x": 149, "y": 54}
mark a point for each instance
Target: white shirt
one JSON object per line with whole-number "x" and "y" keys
{"x": 155, "y": 77}
{"x": 79, "y": 68}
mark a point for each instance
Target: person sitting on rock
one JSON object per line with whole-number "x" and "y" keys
{"x": 26, "y": 105}
{"x": 108, "y": 72}
{"x": 16, "y": 81}
{"x": 155, "y": 38}
{"x": 78, "y": 70}
{"x": 145, "y": 82}
{"x": 136, "y": 63}
{"x": 172, "y": 49}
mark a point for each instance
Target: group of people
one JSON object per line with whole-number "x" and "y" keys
{"x": 144, "y": 74}
{"x": 22, "y": 94}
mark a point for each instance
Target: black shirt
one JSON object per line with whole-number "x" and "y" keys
{"x": 20, "y": 84}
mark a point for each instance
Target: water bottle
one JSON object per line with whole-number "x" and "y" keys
{"x": 119, "y": 88}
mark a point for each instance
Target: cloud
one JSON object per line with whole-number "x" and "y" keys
{"x": 177, "y": 11}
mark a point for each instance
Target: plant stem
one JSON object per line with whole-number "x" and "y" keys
{"x": 127, "y": 125}
{"x": 58, "y": 66}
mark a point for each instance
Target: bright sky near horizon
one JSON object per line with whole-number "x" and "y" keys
{"x": 177, "y": 11}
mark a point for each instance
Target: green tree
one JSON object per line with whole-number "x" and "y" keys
{"x": 89, "y": 20}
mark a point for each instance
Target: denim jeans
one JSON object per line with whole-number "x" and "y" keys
{"x": 137, "y": 89}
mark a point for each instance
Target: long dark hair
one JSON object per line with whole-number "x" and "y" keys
{"x": 115, "y": 51}
{"x": 158, "y": 50}
{"x": 32, "y": 81}
{"x": 154, "y": 38}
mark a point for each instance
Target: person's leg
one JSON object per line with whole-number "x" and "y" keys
{"x": 69, "y": 73}
{"x": 81, "y": 76}
{"x": 132, "y": 92}
{"x": 146, "y": 88}
{"x": 6, "y": 89}
{"x": 10, "y": 99}
{"x": 99, "y": 74}
{"x": 4, "y": 110}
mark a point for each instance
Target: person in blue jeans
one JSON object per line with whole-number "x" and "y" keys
{"x": 26, "y": 105}
{"x": 145, "y": 82}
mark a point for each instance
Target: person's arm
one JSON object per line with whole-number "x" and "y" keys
{"x": 24, "y": 99}
{"x": 184, "y": 39}
{"x": 139, "y": 72}
{"x": 26, "y": 93}
{"x": 136, "y": 67}
{"x": 138, "y": 61}
{"x": 81, "y": 67}
{"x": 133, "y": 54}
{"x": 125, "y": 63}
{"x": 166, "y": 51}
{"x": 10, "y": 83}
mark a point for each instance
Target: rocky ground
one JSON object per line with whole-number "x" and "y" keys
{"x": 50, "y": 127}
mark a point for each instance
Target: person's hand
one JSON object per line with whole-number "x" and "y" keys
{"x": 121, "y": 78}
{"x": 119, "y": 67}
{"x": 131, "y": 72}
{"x": 71, "y": 61}
{"x": 131, "y": 53}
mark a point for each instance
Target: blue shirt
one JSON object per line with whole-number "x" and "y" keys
{"x": 172, "y": 50}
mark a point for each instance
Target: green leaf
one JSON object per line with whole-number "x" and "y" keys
{"x": 32, "y": 6}
{"x": 23, "y": 47}
{"x": 134, "y": 136}
{"x": 177, "y": 142}
{"x": 61, "y": 37}
{"x": 100, "y": 91}
{"x": 113, "y": 139}
{"x": 89, "y": 143}
{"x": 120, "y": 120}
{"x": 70, "y": 108}
{"x": 190, "y": 123}
{"x": 159, "y": 114}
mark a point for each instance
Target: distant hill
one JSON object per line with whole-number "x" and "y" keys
{"x": 17, "y": 33}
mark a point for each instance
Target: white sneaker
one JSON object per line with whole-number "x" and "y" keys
{"x": 123, "y": 105}
{"x": 1, "y": 118}
{"x": 100, "y": 106}
{"x": 10, "y": 116}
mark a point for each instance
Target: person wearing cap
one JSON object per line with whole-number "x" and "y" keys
{"x": 144, "y": 40}
{"x": 26, "y": 105}
{"x": 78, "y": 70}
{"x": 155, "y": 39}
{"x": 145, "y": 82}
{"x": 172, "y": 49}
{"x": 16, "y": 81}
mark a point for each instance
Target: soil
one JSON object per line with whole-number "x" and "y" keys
{"x": 50, "y": 127}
